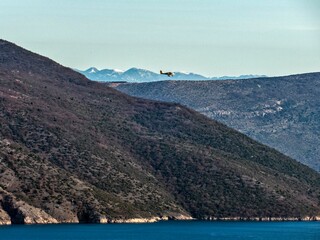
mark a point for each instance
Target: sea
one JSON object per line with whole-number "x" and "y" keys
{"x": 167, "y": 230}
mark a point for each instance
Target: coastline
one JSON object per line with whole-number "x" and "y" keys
{"x": 267, "y": 219}
{"x": 13, "y": 212}
{"x": 104, "y": 220}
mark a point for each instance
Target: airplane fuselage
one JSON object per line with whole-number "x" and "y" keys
{"x": 169, "y": 74}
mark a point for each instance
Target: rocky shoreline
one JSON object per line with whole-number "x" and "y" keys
{"x": 14, "y": 211}
{"x": 6, "y": 220}
{"x": 265, "y": 219}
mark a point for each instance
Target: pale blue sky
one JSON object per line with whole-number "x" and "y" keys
{"x": 212, "y": 37}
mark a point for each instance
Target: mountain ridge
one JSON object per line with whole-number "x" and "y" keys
{"x": 142, "y": 75}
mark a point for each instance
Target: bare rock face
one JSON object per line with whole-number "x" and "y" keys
{"x": 4, "y": 218}
{"x": 181, "y": 217}
{"x": 33, "y": 215}
{"x": 19, "y": 212}
{"x": 173, "y": 216}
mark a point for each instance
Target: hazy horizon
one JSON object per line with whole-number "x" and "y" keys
{"x": 212, "y": 38}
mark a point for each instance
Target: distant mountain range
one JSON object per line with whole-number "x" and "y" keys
{"x": 142, "y": 75}
{"x": 282, "y": 112}
{"x": 74, "y": 150}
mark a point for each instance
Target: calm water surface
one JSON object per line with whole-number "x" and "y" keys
{"x": 167, "y": 231}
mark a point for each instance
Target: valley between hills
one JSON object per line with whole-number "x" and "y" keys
{"x": 74, "y": 150}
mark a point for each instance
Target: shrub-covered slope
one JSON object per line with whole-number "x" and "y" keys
{"x": 281, "y": 112}
{"x": 80, "y": 151}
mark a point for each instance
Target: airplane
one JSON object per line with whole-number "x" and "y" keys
{"x": 169, "y": 74}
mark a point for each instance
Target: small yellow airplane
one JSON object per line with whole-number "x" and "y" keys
{"x": 169, "y": 74}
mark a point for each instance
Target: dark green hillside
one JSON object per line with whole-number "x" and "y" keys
{"x": 81, "y": 151}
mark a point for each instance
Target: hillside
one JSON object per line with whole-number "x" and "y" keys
{"x": 75, "y": 150}
{"x": 281, "y": 112}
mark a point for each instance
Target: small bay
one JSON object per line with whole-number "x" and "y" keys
{"x": 170, "y": 230}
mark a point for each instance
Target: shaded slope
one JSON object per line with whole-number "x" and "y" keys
{"x": 83, "y": 151}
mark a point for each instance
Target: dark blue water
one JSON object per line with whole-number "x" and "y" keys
{"x": 167, "y": 231}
